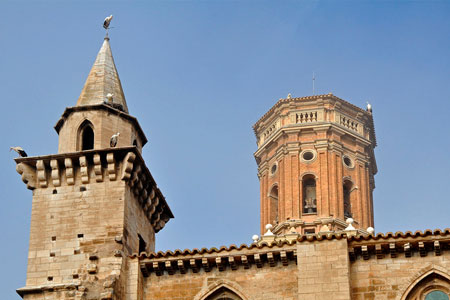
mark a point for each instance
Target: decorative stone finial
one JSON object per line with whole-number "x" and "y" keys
{"x": 324, "y": 228}
{"x": 370, "y": 230}
{"x": 349, "y": 221}
{"x": 268, "y": 232}
{"x": 255, "y": 238}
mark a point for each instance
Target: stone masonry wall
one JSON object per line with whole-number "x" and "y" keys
{"x": 72, "y": 229}
{"x": 323, "y": 270}
{"x": 136, "y": 223}
{"x": 105, "y": 125}
{"x": 270, "y": 283}
{"x": 87, "y": 211}
{"x": 389, "y": 278}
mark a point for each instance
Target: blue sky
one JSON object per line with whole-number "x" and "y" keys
{"x": 199, "y": 74}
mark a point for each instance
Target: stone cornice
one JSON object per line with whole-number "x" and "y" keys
{"x": 399, "y": 244}
{"x": 295, "y": 128}
{"x": 300, "y": 223}
{"x": 221, "y": 259}
{"x": 47, "y": 287}
{"x": 125, "y": 163}
{"x": 316, "y": 127}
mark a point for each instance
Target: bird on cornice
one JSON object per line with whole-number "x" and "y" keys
{"x": 19, "y": 151}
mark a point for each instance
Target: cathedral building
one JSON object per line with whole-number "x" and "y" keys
{"x": 96, "y": 210}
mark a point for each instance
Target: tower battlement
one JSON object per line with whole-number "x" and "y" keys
{"x": 80, "y": 169}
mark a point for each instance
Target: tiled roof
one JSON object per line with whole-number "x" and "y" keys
{"x": 222, "y": 249}
{"x": 301, "y": 238}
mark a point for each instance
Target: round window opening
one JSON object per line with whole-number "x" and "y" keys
{"x": 308, "y": 155}
{"x": 273, "y": 169}
{"x": 348, "y": 161}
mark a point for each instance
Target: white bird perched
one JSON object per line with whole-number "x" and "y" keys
{"x": 19, "y": 150}
{"x": 107, "y": 22}
{"x": 114, "y": 139}
{"x": 109, "y": 96}
{"x": 369, "y": 107}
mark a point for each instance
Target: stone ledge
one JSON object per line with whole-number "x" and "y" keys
{"x": 47, "y": 287}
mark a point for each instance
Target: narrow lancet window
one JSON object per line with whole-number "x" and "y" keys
{"x": 273, "y": 198}
{"x": 309, "y": 195}
{"x": 86, "y": 136}
{"x": 347, "y": 203}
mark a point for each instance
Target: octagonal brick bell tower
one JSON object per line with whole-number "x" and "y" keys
{"x": 316, "y": 165}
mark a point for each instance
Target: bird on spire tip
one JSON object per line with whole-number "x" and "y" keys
{"x": 369, "y": 107}
{"x": 107, "y": 22}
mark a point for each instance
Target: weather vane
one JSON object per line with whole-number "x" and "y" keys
{"x": 106, "y": 23}
{"x": 313, "y": 82}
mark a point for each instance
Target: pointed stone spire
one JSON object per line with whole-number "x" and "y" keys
{"x": 103, "y": 79}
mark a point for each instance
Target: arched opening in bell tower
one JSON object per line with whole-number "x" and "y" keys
{"x": 309, "y": 194}
{"x": 86, "y": 136}
{"x": 347, "y": 188}
{"x": 273, "y": 198}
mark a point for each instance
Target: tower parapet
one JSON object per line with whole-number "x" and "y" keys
{"x": 316, "y": 164}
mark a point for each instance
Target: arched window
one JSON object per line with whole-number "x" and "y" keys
{"x": 309, "y": 194}
{"x": 273, "y": 198}
{"x": 223, "y": 294}
{"x": 434, "y": 286}
{"x": 436, "y": 295}
{"x": 86, "y": 136}
{"x": 347, "y": 188}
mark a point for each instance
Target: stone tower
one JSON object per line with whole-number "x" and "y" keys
{"x": 316, "y": 165}
{"x": 93, "y": 205}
